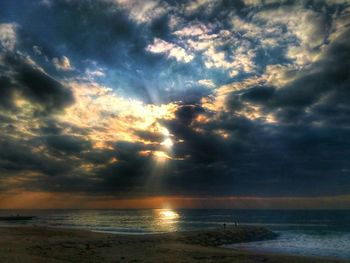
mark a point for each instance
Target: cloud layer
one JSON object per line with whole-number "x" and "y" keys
{"x": 186, "y": 98}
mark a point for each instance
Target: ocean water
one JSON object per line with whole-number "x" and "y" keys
{"x": 313, "y": 233}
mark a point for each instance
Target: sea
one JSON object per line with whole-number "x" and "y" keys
{"x": 321, "y": 233}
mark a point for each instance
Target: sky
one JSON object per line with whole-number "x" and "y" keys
{"x": 153, "y": 103}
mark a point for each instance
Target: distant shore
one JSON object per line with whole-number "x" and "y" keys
{"x": 54, "y": 245}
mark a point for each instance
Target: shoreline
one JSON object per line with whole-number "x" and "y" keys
{"x": 53, "y": 245}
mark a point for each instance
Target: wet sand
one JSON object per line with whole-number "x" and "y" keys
{"x": 53, "y": 245}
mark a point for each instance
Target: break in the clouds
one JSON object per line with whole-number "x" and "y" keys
{"x": 126, "y": 98}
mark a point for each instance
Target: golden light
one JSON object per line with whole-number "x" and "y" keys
{"x": 167, "y": 143}
{"x": 161, "y": 155}
{"x": 108, "y": 116}
{"x": 166, "y": 219}
{"x": 168, "y": 214}
{"x": 165, "y": 131}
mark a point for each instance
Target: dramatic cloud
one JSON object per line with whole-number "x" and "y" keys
{"x": 199, "y": 99}
{"x": 62, "y": 64}
{"x": 8, "y": 36}
{"x": 144, "y": 11}
{"x": 170, "y": 49}
{"x": 23, "y": 78}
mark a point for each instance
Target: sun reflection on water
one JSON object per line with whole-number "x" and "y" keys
{"x": 168, "y": 214}
{"x": 167, "y": 219}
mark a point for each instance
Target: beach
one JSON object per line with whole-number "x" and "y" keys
{"x": 54, "y": 245}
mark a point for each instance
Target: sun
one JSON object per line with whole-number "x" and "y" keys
{"x": 167, "y": 143}
{"x": 165, "y": 131}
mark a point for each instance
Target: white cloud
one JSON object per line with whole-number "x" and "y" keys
{"x": 175, "y": 21}
{"x": 206, "y": 82}
{"x": 37, "y": 50}
{"x": 241, "y": 60}
{"x": 160, "y": 46}
{"x": 206, "y": 40}
{"x": 97, "y": 73}
{"x": 261, "y": 2}
{"x": 94, "y": 73}
{"x": 216, "y": 59}
{"x": 8, "y": 35}
{"x": 267, "y": 35}
{"x": 195, "y": 5}
{"x": 192, "y": 30}
{"x": 144, "y": 11}
{"x": 308, "y": 26}
{"x": 252, "y": 2}
{"x": 198, "y": 38}
{"x": 246, "y": 28}
{"x": 305, "y": 35}
{"x": 62, "y": 64}
{"x": 332, "y": 2}
{"x": 279, "y": 75}
{"x": 340, "y": 23}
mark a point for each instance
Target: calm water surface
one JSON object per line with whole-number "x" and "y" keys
{"x": 318, "y": 233}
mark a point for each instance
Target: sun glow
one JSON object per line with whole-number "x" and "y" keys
{"x": 161, "y": 155}
{"x": 165, "y": 131}
{"x": 110, "y": 117}
{"x": 167, "y": 143}
{"x": 168, "y": 214}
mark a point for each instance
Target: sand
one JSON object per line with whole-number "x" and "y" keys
{"x": 53, "y": 245}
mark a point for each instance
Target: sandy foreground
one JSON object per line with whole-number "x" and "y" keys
{"x": 53, "y": 245}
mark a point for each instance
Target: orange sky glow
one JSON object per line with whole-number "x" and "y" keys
{"x": 46, "y": 200}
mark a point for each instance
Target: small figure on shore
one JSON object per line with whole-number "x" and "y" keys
{"x": 236, "y": 224}
{"x": 224, "y": 225}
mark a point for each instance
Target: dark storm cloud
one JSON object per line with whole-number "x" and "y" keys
{"x": 196, "y": 145}
{"x": 258, "y": 95}
{"x": 186, "y": 113}
{"x": 19, "y": 156}
{"x": 125, "y": 177}
{"x": 323, "y": 87}
{"x": 67, "y": 144}
{"x": 88, "y": 29}
{"x": 5, "y": 92}
{"x": 262, "y": 160}
{"x": 130, "y": 163}
{"x": 155, "y": 137}
{"x": 304, "y": 153}
{"x": 103, "y": 32}
{"x": 19, "y": 75}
